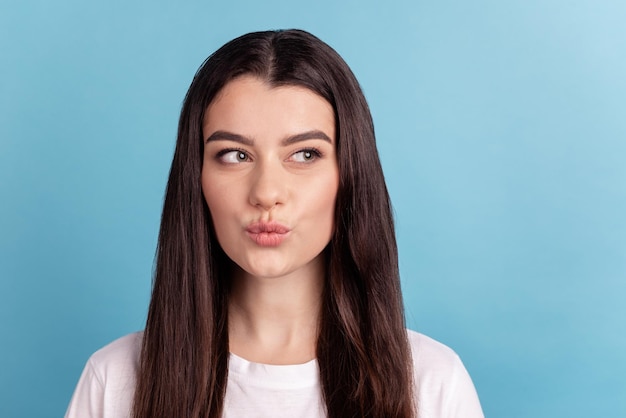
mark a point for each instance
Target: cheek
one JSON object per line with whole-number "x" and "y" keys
{"x": 216, "y": 190}
{"x": 219, "y": 214}
{"x": 208, "y": 194}
{"x": 215, "y": 201}
{"x": 324, "y": 200}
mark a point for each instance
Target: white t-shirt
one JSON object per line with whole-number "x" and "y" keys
{"x": 106, "y": 386}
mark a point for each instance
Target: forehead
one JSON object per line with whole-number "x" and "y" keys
{"x": 250, "y": 106}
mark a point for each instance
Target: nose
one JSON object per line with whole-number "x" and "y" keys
{"x": 268, "y": 186}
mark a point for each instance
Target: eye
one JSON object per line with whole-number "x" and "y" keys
{"x": 233, "y": 156}
{"x": 306, "y": 155}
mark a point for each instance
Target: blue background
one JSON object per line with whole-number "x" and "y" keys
{"x": 502, "y": 130}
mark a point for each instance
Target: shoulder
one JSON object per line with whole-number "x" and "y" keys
{"x": 118, "y": 357}
{"x": 423, "y": 346}
{"x": 443, "y": 386}
{"x": 106, "y": 386}
{"x": 431, "y": 357}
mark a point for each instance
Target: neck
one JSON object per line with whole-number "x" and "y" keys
{"x": 275, "y": 320}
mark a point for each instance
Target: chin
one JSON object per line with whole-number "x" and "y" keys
{"x": 266, "y": 269}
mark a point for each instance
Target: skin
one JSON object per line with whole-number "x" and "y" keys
{"x": 270, "y": 159}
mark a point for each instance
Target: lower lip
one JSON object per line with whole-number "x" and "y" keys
{"x": 267, "y": 239}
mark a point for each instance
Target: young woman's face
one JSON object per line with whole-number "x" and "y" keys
{"x": 270, "y": 175}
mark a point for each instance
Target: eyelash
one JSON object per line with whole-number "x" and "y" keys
{"x": 315, "y": 153}
{"x": 223, "y": 152}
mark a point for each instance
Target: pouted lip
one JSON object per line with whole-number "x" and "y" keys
{"x": 259, "y": 227}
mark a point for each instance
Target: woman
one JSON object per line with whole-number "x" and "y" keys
{"x": 276, "y": 290}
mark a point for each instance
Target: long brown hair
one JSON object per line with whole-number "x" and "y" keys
{"x": 362, "y": 350}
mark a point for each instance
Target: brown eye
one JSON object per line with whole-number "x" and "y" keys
{"x": 233, "y": 156}
{"x": 306, "y": 156}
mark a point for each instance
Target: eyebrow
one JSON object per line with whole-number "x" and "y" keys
{"x": 315, "y": 134}
{"x": 304, "y": 136}
{"x": 228, "y": 136}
